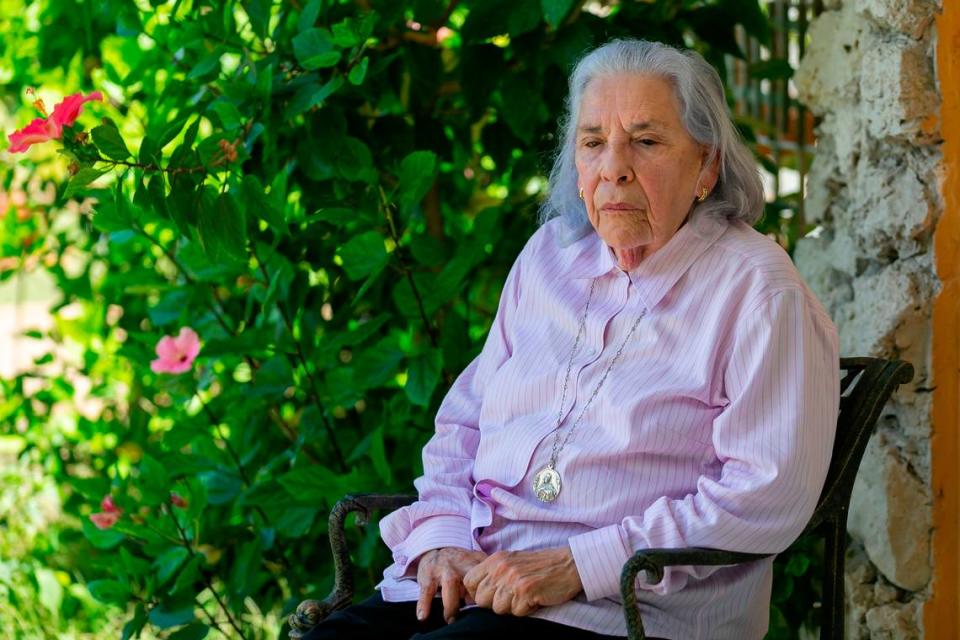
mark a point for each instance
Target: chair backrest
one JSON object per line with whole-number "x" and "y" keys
{"x": 865, "y": 387}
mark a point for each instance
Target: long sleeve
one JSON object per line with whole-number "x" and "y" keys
{"x": 773, "y": 441}
{"x": 441, "y": 515}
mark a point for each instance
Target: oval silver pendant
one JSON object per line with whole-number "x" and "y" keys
{"x": 546, "y": 484}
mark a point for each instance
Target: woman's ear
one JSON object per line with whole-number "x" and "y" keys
{"x": 709, "y": 169}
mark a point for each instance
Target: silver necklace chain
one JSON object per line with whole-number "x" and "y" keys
{"x": 555, "y": 453}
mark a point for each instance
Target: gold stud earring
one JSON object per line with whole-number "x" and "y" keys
{"x": 703, "y": 194}
{"x": 581, "y": 193}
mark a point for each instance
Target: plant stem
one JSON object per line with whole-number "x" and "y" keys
{"x": 312, "y": 390}
{"x": 406, "y": 270}
{"x": 206, "y": 579}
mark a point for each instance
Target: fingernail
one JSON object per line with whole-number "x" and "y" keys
{"x": 419, "y": 613}
{"x": 450, "y": 620}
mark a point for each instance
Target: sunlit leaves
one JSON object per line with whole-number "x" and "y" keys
{"x": 109, "y": 141}
{"x": 109, "y": 591}
{"x": 417, "y": 173}
{"x": 81, "y": 179}
{"x": 314, "y": 49}
{"x": 363, "y": 255}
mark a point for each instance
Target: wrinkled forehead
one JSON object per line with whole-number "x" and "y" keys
{"x": 628, "y": 99}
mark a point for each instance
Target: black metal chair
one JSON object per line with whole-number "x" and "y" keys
{"x": 865, "y": 388}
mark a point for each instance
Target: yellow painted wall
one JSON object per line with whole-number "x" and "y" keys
{"x": 942, "y": 611}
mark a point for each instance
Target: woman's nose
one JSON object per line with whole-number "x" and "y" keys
{"x": 616, "y": 167}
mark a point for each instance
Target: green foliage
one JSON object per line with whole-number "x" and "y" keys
{"x": 330, "y": 194}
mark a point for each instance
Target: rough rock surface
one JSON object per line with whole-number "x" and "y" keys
{"x": 869, "y": 75}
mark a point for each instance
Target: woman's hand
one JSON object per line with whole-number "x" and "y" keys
{"x": 444, "y": 568}
{"x": 520, "y": 582}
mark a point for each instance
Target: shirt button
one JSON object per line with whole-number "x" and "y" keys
{"x": 401, "y": 559}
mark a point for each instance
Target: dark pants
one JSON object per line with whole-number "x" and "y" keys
{"x": 375, "y": 619}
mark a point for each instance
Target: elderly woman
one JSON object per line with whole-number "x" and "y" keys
{"x": 657, "y": 375}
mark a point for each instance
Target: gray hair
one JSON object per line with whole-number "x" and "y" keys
{"x": 738, "y": 194}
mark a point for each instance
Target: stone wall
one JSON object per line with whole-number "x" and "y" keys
{"x": 869, "y": 75}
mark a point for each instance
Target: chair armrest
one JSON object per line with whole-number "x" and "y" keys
{"x": 309, "y": 613}
{"x": 653, "y": 562}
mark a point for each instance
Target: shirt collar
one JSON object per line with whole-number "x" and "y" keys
{"x": 659, "y": 272}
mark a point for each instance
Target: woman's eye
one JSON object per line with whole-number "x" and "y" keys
{"x": 647, "y": 142}
{"x": 590, "y": 144}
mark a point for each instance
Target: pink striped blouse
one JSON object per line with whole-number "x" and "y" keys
{"x": 714, "y": 428}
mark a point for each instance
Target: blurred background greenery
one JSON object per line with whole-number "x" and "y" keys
{"x": 330, "y": 193}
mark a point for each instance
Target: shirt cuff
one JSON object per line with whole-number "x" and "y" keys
{"x": 600, "y": 556}
{"x": 434, "y": 532}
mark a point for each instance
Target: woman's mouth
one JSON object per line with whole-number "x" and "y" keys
{"x": 620, "y": 208}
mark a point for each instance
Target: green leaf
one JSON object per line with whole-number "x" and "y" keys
{"x": 369, "y": 282}
{"x": 188, "y": 577}
{"x": 423, "y": 375}
{"x": 554, "y": 11}
{"x": 149, "y": 151}
{"x": 317, "y": 484}
{"x": 260, "y": 205}
{"x": 154, "y": 481}
{"x": 107, "y": 139}
{"x": 314, "y": 49}
{"x": 135, "y": 624}
{"x": 312, "y": 95}
{"x": 417, "y": 173}
{"x": 168, "y": 562}
{"x": 91, "y": 488}
{"x": 50, "y": 589}
{"x": 797, "y": 565}
{"x": 207, "y": 68}
{"x": 378, "y": 456}
{"x": 351, "y": 32}
{"x": 165, "y": 617}
{"x": 170, "y": 130}
{"x": 259, "y": 14}
{"x": 308, "y": 17}
{"x": 363, "y": 255}
{"x": 222, "y": 486}
{"x": 101, "y": 538}
{"x": 109, "y": 591}
{"x": 222, "y": 228}
{"x": 359, "y": 72}
{"x": 337, "y": 216}
{"x": 375, "y": 365}
{"x": 108, "y": 217}
{"x": 345, "y": 34}
{"x": 82, "y": 178}
{"x": 195, "y": 631}
{"x": 354, "y": 160}
{"x": 773, "y": 69}
{"x": 228, "y": 114}
{"x": 246, "y": 568}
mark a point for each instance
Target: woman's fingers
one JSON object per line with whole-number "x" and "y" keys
{"x": 503, "y": 601}
{"x": 483, "y": 592}
{"x": 427, "y": 590}
{"x": 450, "y": 594}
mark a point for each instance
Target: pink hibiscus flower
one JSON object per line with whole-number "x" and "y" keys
{"x": 108, "y": 516}
{"x": 40, "y": 130}
{"x": 65, "y": 113}
{"x": 43, "y": 129}
{"x": 176, "y": 355}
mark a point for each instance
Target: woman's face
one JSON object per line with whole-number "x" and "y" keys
{"x": 639, "y": 169}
